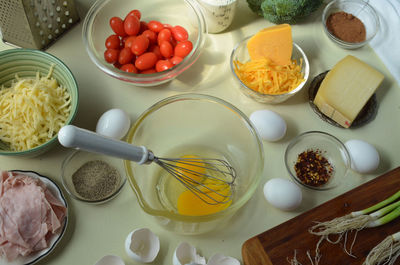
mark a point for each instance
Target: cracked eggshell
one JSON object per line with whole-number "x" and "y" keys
{"x": 142, "y": 245}
{"x": 186, "y": 254}
{"x": 219, "y": 259}
{"x": 110, "y": 260}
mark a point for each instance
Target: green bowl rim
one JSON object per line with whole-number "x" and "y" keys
{"x": 67, "y": 71}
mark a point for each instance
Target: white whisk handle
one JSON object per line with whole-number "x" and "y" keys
{"x": 78, "y": 138}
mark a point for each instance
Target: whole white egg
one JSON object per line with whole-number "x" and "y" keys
{"x": 114, "y": 123}
{"x": 269, "y": 125}
{"x": 364, "y": 157}
{"x": 283, "y": 194}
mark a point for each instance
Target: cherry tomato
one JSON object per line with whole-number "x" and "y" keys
{"x": 183, "y": 48}
{"x": 113, "y": 42}
{"x": 149, "y": 71}
{"x": 151, "y": 35}
{"x": 155, "y": 26}
{"x": 125, "y": 56}
{"x": 163, "y": 65}
{"x": 129, "y": 41}
{"x": 168, "y": 26}
{"x": 132, "y": 25}
{"x": 179, "y": 33}
{"x": 111, "y": 55}
{"x": 130, "y": 68}
{"x": 135, "y": 13}
{"x": 117, "y": 25}
{"x": 143, "y": 27}
{"x": 176, "y": 60}
{"x": 146, "y": 61}
{"x": 166, "y": 49}
{"x": 164, "y": 34}
{"x": 156, "y": 50}
{"x": 140, "y": 45}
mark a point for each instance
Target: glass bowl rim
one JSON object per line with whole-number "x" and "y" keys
{"x": 204, "y": 218}
{"x": 148, "y": 79}
{"x": 291, "y": 92}
{"x": 339, "y": 144}
{"x": 65, "y": 71}
{"x": 372, "y": 10}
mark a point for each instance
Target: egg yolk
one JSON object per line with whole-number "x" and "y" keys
{"x": 190, "y": 204}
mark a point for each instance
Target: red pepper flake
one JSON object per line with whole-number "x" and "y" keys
{"x": 312, "y": 168}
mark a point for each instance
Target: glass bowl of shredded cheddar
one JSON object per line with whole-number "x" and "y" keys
{"x": 38, "y": 95}
{"x": 265, "y": 81}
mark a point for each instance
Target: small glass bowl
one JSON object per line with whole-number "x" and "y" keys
{"x": 360, "y": 9}
{"x": 329, "y": 147}
{"x": 75, "y": 160}
{"x": 241, "y": 54}
{"x": 96, "y": 29}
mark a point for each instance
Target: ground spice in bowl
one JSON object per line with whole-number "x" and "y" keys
{"x": 346, "y": 27}
{"x": 96, "y": 180}
{"x": 312, "y": 168}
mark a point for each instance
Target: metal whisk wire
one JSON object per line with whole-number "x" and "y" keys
{"x": 221, "y": 174}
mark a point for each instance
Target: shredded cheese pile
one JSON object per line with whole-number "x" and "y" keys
{"x": 32, "y": 111}
{"x": 266, "y": 77}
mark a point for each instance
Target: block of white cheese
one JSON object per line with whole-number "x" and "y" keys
{"x": 346, "y": 89}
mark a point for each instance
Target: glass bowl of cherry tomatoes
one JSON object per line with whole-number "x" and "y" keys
{"x": 147, "y": 44}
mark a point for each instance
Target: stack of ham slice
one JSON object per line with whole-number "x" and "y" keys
{"x": 29, "y": 215}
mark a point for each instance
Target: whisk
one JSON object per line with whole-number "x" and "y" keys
{"x": 214, "y": 186}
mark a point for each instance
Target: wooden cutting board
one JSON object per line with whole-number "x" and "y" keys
{"x": 277, "y": 245}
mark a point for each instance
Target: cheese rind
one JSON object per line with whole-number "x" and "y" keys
{"x": 274, "y": 43}
{"x": 346, "y": 89}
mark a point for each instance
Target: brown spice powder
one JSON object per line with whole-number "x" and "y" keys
{"x": 346, "y": 27}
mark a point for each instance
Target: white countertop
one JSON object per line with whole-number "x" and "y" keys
{"x": 97, "y": 230}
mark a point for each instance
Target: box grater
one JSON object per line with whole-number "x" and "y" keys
{"x": 36, "y": 24}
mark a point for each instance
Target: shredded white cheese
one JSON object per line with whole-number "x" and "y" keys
{"x": 32, "y": 111}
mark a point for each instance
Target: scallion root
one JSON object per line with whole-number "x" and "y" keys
{"x": 340, "y": 225}
{"x": 385, "y": 252}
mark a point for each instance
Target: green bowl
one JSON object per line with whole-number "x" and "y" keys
{"x": 26, "y": 63}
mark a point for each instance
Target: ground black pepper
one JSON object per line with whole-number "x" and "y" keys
{"x": 312, "y": 168}
{"x": 96, "y": 180}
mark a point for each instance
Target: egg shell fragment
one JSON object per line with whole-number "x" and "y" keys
{"x": 142, "y": 245}
{"x": 187, "y": 254}
{"x": 110, "y": 260}
{"x": 283, "y": 194}
{"x": 269, "y": 125}
{"x": 219, "y": 259}
{"x": 364, "y": 157}
{"x": 114, "y": 123}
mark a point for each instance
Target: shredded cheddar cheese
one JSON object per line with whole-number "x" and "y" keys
{"x": 266, "y": 77}
{"x": 32, "y": 111}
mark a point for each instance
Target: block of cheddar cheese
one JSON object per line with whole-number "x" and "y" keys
{"x": 274, "y": 43}
{"x": 346, "y": 89}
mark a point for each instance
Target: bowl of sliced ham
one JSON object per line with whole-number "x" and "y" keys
{"x": 33, "y": 216}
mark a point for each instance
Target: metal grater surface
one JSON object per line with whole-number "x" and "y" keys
{"x": 36, "y": 24}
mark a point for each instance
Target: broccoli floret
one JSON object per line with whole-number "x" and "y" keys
{"x": 255, "y": 6}
{"x": 285, "y": 11}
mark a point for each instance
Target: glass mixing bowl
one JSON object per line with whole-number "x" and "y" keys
{"x": 196, "y": 124}
{"x": 185, "y": 13}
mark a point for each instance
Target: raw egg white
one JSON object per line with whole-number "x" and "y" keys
{"x": 269, "y": 125}
{"x": 142, "y": 245}
{"x": 283, "y": 194}
{"x": 114, "y": 123}
{"x": 364, "y": 157}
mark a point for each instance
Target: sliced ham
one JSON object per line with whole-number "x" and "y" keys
{"x": 29, "y": 215}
